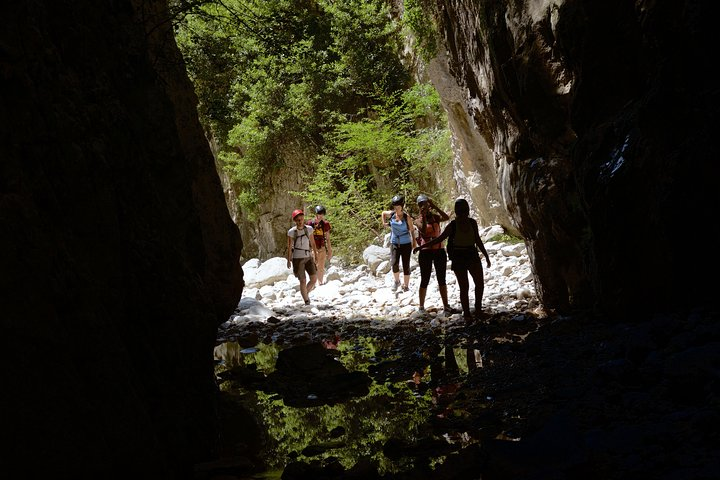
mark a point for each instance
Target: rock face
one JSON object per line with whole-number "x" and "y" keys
{"x": 592, "y": 123}
{"x": 118, "y": 256}
{"x": 266, "y": 236}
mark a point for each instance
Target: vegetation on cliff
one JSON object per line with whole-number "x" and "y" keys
{"x": 323, "y": 78}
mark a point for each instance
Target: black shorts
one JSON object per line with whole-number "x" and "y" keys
{"x": 302, "y": 265}
{"x": 464, "y": 258}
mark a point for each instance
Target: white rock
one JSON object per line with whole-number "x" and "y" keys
{"x": 373, "y": 255}
{"x": 491, "y": 231}
{"x": 252, "y": 263}
{"x": 357, "y": 292}
{"x": 513, "y": 250}
{"x": 269, "y": 272}
{"x": 383, "y": 268}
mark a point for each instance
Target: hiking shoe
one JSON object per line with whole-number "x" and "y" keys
{"x": 421, "y": 310}
{"x": 405, "y": 288}
{"x": 450, "y": 310}
{"x": 397, "y": 286}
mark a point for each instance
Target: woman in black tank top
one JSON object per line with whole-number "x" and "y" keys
{"x": 464, "y": 236}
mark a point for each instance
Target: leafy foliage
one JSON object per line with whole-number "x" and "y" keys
{"x": 391, "y": 410}
{"x": 422, "y": 26}
{"x": 370, "y": 160}
{"x": 320, "y": 77}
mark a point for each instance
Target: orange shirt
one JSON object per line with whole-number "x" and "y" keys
{"x": 431, "y": 231}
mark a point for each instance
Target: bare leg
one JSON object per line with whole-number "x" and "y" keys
{"x": 421, "y": 294}
{"x": 443, "y": 295}
{"x": 464, "y": 285}
{"x": 311, "y": 283}
{"x": 320, "y": 263}
{"x": 303, "y": 287}
{"x": 477, "y": 274}
{"x": 406, "y": 280}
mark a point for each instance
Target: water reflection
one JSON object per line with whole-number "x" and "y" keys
{"x": 348, "y": 400}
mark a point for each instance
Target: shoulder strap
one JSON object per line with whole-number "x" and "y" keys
{"x": 405, "y": 218}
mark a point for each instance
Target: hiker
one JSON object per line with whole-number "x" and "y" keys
{"x": 463, "y": 238}
{"x": 428, "y": 226}
{"x": 402, "y": 239}
{"x": 321, "y": 232}
{"x": 303, "y": 253}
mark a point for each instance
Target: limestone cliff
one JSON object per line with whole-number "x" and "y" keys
{"x": 118, "y": 256}
{"x": 592, "y": 123}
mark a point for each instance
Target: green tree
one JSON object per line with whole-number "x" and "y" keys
{"x": 324, "y": 78}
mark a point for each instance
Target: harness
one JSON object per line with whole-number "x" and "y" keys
{"x": 300, "y": 236}
{"x": 320, "y": 224}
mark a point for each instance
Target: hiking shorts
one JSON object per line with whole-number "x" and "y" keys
{"x": 464, "y": 259}
{"x": 302, "y": 265}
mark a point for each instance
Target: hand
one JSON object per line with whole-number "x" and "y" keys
{"x": 288, "y": 264}
{"x": 416, "y": 249}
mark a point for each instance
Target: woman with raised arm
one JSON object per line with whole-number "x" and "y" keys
{"x": 428, "y": 226}
{"x": 463, "y": 243}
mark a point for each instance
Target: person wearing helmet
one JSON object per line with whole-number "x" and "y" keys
{"x": 402, "y": 239}
{"x": 321, "y": 233}
{"x": 428, "y": 227}
{"x": 463, "y": 243}
{"x": 301, "y": 254}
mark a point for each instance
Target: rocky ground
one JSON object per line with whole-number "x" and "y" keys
{"x": 367, "y": 291}
{"x": 553, "y": 397}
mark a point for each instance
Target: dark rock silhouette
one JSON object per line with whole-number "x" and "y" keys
{"x": 599, "y": 120}
{"x": 118, "y": 257}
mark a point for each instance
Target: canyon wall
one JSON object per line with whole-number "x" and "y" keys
{"x": 592, "y": 124}
{"x": 118, "y": 256}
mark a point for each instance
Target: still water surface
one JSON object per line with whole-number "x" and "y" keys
{"x": 346, "y": 400}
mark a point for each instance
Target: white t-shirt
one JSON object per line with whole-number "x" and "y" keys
{"x": 301, "y": 241}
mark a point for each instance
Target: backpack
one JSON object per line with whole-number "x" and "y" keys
{"x": 305, "y": 234}
{"x": 320, "y": 224}
{"x": 451, "y": 250}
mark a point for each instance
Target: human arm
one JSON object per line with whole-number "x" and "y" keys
{"x": 445, "y": 233}
{"x": 289, "y": 251}
{"x": 444, "y": 217}
{"x": 328, "y": 243}
{"x": 313, "y": 244}
{"x": 480, "y": 245}
{"x": 411, "y": 228}
{"x": 385, "y": 218}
